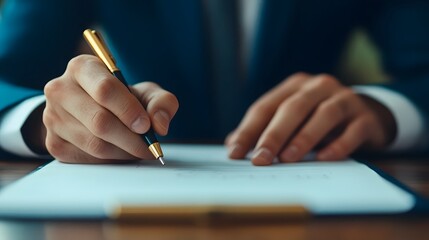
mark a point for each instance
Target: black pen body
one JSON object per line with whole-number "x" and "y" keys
{"x": 149, "y": 137}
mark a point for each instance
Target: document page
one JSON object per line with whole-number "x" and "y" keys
{"x": 201, "y": 175}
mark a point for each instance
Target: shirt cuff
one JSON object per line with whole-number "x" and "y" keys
{"x": 11, "y": 122}
{"x": 409, "y": 119}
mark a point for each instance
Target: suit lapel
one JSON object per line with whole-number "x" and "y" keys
{"x": 271, "y": 37}
{"x": 183, "y": 22}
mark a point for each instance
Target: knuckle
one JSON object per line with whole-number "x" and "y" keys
{"x": 294, "y": 105}
{"x": 326, "y": 80}
{"x": 331, "y": 110}
{"x": 104, "y": 89}
{"x": 298, "y": 76}
{"x": 74, "y": 63}
{"x": 48, "y": 117}
{"x": 260, "y": 108}
{"x": 52, "y": 88}
{"x": 55, "y": 147}
{"x": 77, "y": 62}
{"x": 347, "y": 93}
{"x": 100, "y": 123}
{"x": 97, "y": 147}
{"x": 80, "y": 61}
{"x": 58, "y": 149}
{"x": 128, "y": 111}
{"x": 347, "y": 97}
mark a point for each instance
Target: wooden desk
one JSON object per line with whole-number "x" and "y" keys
{"x": 412, "y": 172}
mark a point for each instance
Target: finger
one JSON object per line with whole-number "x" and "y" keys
{"x": 87, "y": 142}
{"x": 234, "y": 150}
{"x": 93, "y": 76}
{"x": 354, "y": 135}
{"x": 290, "y": 115}
{"x": 328, "y": 115}
{"x": 66, "y": 152}
{"x": 101, "y": 122}
{"x": 286, "y": 88}
{"x": 258, "y": 116}
{"x": 160, "y": 104}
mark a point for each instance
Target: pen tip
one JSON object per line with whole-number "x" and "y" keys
{"x": 161, "y": 160}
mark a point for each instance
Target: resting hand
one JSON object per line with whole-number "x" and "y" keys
{"x": 305, "y": 111}
{"x": 91, "y": 117}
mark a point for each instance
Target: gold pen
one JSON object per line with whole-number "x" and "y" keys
{"x": 97, "y": 44}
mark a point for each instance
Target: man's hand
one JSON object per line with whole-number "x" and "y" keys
{"x": 91, "y": 117}
{"x": 305, "y": 111}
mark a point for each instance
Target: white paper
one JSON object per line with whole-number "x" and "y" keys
{"x": 201, "y": 175}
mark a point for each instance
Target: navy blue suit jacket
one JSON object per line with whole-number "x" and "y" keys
{"x": 165, "y": 41}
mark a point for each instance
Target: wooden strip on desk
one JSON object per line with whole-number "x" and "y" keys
{"x": 207, "y": 213}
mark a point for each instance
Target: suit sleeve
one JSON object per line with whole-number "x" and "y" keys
{"x": 37, "y": 39}
{"x": 400, "y": 30}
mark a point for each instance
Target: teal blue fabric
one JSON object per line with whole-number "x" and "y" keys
{"x": 165, "y": 41}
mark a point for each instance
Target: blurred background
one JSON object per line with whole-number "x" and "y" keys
{"x": 359, "y": 64}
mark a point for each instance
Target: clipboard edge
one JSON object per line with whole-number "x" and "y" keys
{"x": 421, "y": 203}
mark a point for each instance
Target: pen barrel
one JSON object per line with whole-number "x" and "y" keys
{"x": 121, "y": 78}
{"x": 149, "y": 137}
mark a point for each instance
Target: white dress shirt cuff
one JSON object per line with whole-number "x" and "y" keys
{"x": 410, "y": 124}
{"x": 11, "y": 122}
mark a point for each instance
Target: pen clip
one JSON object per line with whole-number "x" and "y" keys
{"x": 99, "y": 47}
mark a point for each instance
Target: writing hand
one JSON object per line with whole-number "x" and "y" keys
{"x": 91, "y": 117}
{"x": 304, "y": 111}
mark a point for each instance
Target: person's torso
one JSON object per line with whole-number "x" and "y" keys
{"x": 166, "y": 41}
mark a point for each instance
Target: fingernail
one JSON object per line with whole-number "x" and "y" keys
{"x": 326, "y": 155}
{"x": 234, "y": 151}
{"x": 289, "y": 154}
{"x": 140, "y": 125}
{"x": 163, "y": 119}
{"x": 263, "y": 156}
